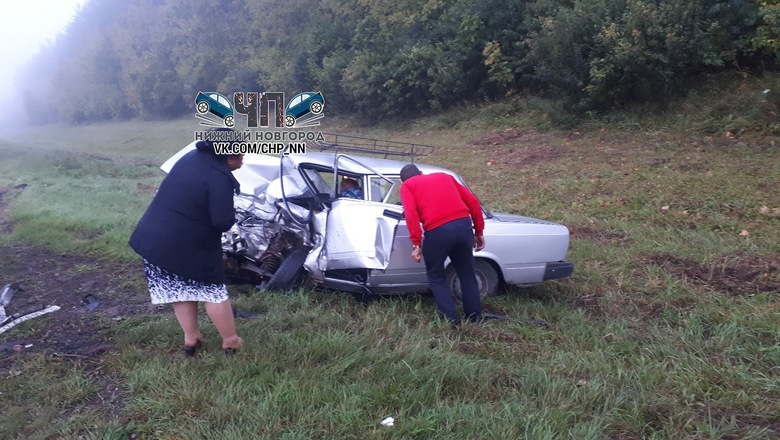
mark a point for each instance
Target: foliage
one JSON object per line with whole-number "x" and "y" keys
{"x": 767, "y": 37}
{"x": 598, "y": 54}
{"x": 149, "y": 58}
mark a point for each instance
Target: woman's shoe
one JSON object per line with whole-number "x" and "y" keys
{"x": 236, "y": 343}
{"x": 192, "y": 351}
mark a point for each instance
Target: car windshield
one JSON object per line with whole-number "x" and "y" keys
{"x": 322, "y": 180}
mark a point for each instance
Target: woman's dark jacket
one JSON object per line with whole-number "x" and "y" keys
{"x": 182, "y": 228}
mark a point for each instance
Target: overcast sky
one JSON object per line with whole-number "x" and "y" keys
{"x": 25, "y": 26}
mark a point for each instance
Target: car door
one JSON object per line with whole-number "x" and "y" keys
{"x": 359, "y": 233}
{"x": 402, "y": 273}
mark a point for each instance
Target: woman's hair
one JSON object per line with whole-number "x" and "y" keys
{"x": 208, "y": 146}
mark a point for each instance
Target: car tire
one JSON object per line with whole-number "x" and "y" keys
{"x": 290, "y": 269}
{"x": 202, "y": 107}
{"x": 316, "y": 107}
{"x": 289, "y": 120}
{"x": 229, "y": 121}
{"x": 487, "y": 279}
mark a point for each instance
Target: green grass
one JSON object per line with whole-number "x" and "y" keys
{"x": 646, "y": 340}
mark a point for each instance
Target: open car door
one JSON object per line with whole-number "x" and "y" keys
{"x": 360, "y": 233}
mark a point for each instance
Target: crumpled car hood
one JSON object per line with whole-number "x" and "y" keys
{"x": 268, "y": 226}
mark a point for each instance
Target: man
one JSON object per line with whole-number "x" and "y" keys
{"x": 446, "y": 210}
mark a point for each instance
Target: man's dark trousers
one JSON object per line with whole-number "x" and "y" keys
{"x": 454, "y": 239}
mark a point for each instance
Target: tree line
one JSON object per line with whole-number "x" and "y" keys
{"x": 122, "y": 59}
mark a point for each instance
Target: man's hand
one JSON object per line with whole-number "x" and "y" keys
{"x": 416, "y": 254}
{"x": 479, "y": 243}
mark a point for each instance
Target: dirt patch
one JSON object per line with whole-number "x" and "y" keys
{"x": 518, "y": 147}
{"x": 753, "y": 422}
{"x": 510, "y": 135}
{"x": 529, "y": 155}
{"x": 736, "y": 274}
{"x": 592, "y": 304}
{"x": 85, "y": 289}
{"x": 643, "y": 310}
{"x": 45, "y": 279}
{"x": 590, "y": 234}
{"x": 89, "y": 293}
{"x": 76, "y": 333}
{"x": 730, "y": 274}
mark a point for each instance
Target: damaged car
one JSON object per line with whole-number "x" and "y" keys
{"x": 293, "y": 224}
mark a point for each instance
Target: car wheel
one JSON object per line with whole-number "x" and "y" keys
{"x": 487, "y": 280}
{"x": 202, "y": 107}
{"x": 289, "y": 120}
{"x": 290, "y": 269}
{"x": 316, "y": 107}
{"x": 229, "y": 121}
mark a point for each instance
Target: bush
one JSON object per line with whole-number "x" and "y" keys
{"x": 600, "y": 54}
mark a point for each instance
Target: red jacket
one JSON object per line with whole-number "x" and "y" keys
{"x": 435, "y": 199}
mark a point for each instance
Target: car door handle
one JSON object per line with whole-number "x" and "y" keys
{"x": 393, "y": 214}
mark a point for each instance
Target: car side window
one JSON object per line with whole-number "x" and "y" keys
{"x": 223, "y": 101}
{"x": 382, "y": 190}
{"x": 295, "y": 101}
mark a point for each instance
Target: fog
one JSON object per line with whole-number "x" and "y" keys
{"x": 27, "y": 26}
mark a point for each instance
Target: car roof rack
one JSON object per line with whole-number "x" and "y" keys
{"x": 354, "y": 144}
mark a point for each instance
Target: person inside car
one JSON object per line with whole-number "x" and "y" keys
{"x": 351, "y": 189}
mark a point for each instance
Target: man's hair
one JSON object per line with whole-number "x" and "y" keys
{"x": 408, "y": 171}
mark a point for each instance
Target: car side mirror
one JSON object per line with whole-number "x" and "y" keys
{"x": 324, "y": 199}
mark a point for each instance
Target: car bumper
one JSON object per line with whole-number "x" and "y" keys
{"x": 558, "y": 269}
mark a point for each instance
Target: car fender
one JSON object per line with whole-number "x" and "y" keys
{"x": 490, "y": 258}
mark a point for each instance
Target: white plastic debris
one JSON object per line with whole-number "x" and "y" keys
{"x": 388, "y": 421}
{"x": 6, "y": 293}
{"x": 27, "y": 317}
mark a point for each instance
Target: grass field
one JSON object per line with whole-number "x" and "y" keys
{"x": 669, "y": 328}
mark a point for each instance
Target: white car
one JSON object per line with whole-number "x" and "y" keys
{"x": 291, "y": 221}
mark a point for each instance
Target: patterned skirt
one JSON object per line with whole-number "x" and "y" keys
{"x": 166, "y": 287}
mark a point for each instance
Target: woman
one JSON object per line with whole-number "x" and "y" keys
{"x": 179, "y": 240}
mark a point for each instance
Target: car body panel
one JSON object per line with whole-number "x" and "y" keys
{"x": 358, "y": 235}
